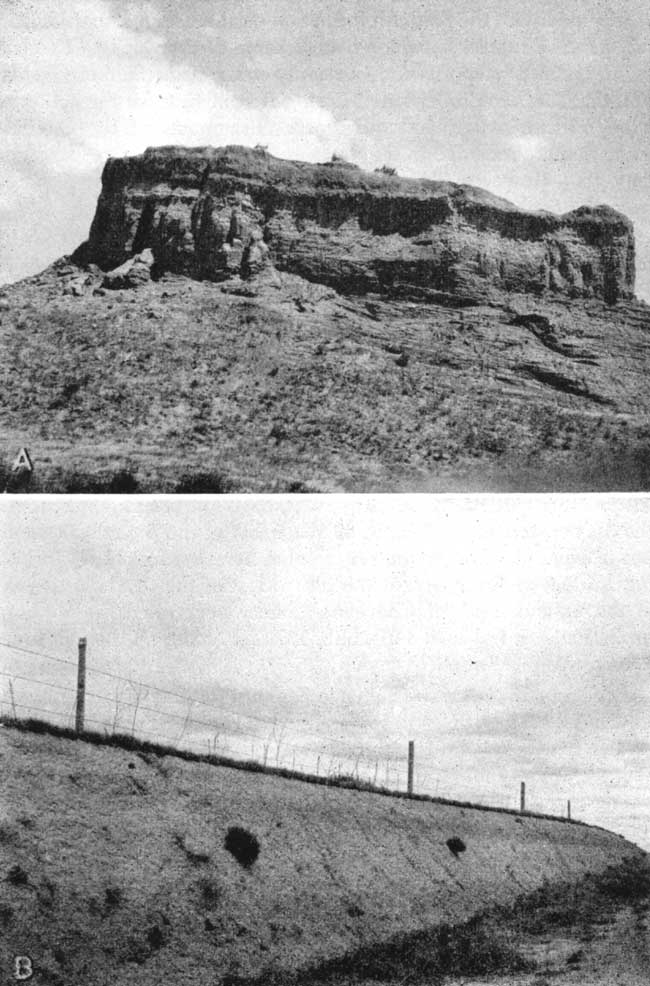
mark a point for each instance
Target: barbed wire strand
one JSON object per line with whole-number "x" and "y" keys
{"x": 395, "y": 763}
{"x": 189, "y": 721}
{"x": 156, "y": 688}
{"x": 96, "y": 722}
{"x": 335, "y": 764}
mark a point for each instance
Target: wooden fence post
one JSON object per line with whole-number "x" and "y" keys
{"x": 411, "y": 760}
{"x": 13, "y": 700}
{"x": 81, "y": 686}
{"x": 568, "y": 810}
{"x": 522, "y": 797}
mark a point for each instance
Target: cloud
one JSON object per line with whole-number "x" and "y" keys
{"x": 527, "y": 147}
{"x": 139, "y": 15}
{"x": 15, "y": 185}
{"x": 79, "y": 83}
{"x": 633, "y": 745}
{"x": 83, "y": 84}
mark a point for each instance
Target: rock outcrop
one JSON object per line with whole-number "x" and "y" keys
{"x": 211, "y": 213}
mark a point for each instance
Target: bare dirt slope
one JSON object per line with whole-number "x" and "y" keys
{"x": 114, "y": 866}
{"x": 191, "y": 386}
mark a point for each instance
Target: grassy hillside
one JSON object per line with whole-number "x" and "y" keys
{"x": 191, "y": 386}
{"x": 126, "y": 866}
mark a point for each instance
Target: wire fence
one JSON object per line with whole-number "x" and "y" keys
{"x": 118, "y": 704}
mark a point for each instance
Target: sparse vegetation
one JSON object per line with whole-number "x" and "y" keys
{"x": 316, "y": 895}
{"x": 628, "y": 882}
{"x": 204, "y": 482}
{"x": 61, "y": 480}
{"x": 220, "y": 393}
{"x": 8, "y": 834}
{"x": 47, "y": 893}
{"x": 210, "y": 891}
{"x": 17, "y": 876}
{"x": 122, "y": 481}
{"x": 488, "y": 944}
{"x": 113, "y": 898}
{"x": 582, "y": 904}
{"x": 125, "y": 741}
{"x": 6, "y": 914}
{"x": 466, "y": 949}
{"x": 155, "y": 937}
{"x": 297, "y": 486}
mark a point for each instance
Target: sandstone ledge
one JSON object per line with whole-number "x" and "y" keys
{"x": 205, "y": 211}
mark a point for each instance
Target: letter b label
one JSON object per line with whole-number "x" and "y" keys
{"x": 23, "y": 967}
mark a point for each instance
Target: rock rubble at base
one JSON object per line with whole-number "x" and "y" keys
{"x": 132, "y": 273}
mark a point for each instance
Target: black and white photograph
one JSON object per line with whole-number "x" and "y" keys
{"x": 325, "y": 492}
{"x": 262, "y": 246}
{"x": 326, "y": 740}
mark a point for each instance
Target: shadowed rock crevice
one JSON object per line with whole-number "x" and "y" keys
{"x": 563, "y": 383}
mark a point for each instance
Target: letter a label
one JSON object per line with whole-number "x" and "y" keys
{"x": 22, "y": 462}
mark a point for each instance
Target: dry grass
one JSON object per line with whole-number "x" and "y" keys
{"x": 151, "y": 753}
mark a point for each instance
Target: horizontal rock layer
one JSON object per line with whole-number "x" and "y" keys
{"x": 213, "y": 212}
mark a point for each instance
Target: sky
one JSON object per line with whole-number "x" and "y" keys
{"x": 547, "y": 105}
{"x": 507, "y": 636}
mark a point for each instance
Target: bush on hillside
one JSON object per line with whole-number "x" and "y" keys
{"x": 8, "y": 834}
{"x": 210, "y": 891}
{"x": 242, "y": 845}
{"x": 112, "y": 899}
{"x": 17, "y": 876}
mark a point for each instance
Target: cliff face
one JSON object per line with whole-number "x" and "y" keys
{"x": 213, "y": 212}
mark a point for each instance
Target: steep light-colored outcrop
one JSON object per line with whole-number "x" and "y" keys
{"x": 126, "y": 877}
{"x": 213, "y": 212}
